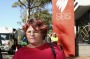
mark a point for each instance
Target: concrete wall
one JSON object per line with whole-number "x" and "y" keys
{"x": 84, "y": 49}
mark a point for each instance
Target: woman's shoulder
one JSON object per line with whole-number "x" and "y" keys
{"x": 21, "y": 49}
{"x": 57, "y": 48}
{"x": 59, "y": 52}
{"x": 19, "y": 53}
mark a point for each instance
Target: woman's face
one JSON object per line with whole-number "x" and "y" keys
{"x": 34, "y": 37}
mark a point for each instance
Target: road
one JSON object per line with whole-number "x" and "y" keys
{"x": 6, "y": 56}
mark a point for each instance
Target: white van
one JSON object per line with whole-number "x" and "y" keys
{"x": 5, "y": 41}
{"x": 5, "y": 38}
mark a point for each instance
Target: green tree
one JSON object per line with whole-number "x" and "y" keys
{"x": 37, "y": 10}
{"x": 36, "y": 6}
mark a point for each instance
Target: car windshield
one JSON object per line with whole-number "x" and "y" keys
{"x": 4, "y": 37}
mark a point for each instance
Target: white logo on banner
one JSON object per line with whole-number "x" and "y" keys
{"x": 61, "y": 4}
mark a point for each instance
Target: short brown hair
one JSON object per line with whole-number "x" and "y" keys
{"x": 38, "y": 25}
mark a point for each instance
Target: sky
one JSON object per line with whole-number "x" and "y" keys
{"x": 9, "y": 16}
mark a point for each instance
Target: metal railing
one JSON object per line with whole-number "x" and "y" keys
{"x": 83, "y": 34}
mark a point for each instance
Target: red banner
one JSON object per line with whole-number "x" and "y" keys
{"x": 63, "y": 24}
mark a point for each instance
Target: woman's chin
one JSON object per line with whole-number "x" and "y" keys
{"x": 32, "y": 42}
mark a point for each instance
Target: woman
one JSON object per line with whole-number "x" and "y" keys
{"x": 36, "y": 31}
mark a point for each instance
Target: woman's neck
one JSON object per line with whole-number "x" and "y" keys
{"x": 36, "y": 44}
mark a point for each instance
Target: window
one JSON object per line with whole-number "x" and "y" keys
{"x": 4, "y": 37}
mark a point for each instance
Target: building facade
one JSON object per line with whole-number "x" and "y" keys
{"x": 82, "y": 19}
{"x": 82, "y": 22}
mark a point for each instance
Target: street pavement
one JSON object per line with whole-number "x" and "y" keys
{"x": 6, "y": 56}
{"x": 10, "y": 57}
{"x": 88, "y": 57}
{"x": 81, "y": 57}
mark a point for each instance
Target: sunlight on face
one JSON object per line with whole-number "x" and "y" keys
{"x": 33, "y": 36}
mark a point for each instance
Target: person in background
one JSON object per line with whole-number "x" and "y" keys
{"x": 54, "y": 38}
{"x": 1, "y": 54}
{"x": 24, "y": 41}
{"x": 48, "y": 39}
{"x": 36, "y": 31}
{"x": 14, "y": 47}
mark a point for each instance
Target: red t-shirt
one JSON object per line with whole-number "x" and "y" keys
{"x": 42, "y": 52}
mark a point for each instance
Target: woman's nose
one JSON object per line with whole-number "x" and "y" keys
{"x": 32, "y": 33}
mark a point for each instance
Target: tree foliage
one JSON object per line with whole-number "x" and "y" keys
{"x": 37, "y": 9}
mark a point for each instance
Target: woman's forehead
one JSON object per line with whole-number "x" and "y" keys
{"x": 30, "y": 28}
